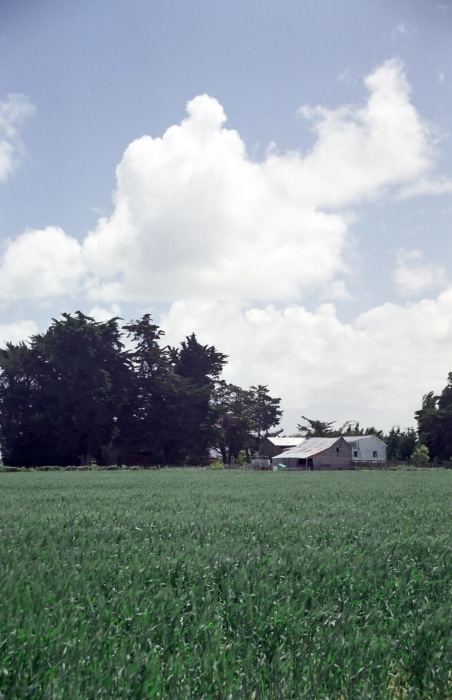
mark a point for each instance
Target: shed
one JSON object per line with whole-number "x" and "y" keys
{"x": 367, "y": 448}
{"x": 271, "y": 446}
{"x": 317, "y": 454}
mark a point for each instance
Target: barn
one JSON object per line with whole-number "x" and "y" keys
{"x": 271, "y": 446}
{"x": 317, "y": 454}
{"x": 367, "y": 448}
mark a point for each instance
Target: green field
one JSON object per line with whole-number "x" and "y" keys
{"x": 197, "y": 584}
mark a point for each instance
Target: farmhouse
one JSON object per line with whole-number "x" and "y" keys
{"x": 271, "y": 446}
{"x": 367, "y": 448}
{"x": 317, "y": 454}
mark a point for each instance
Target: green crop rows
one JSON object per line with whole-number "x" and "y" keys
{"x": 187, "y": 584}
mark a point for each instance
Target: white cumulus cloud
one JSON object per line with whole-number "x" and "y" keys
{"x": 378, "y": 366}
{"x": 17, "y": 332}
{"x": 236, "y": 246}
{"x": 102, "y": 314}
{"x": 40, "y": 264}
{"x": 361, "y": 151}
{"x": 196, "y": 218}
{"x": 14, "y": 110}
{"x": 413, "y": 276}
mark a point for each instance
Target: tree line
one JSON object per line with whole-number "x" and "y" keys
{"x": 432, "y": 441}
{"x": 76, "y": 393}
{"x": 434, "y": 421}
{"x": 401, "y": 444}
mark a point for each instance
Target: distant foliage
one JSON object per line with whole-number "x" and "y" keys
{"x": 420, "y": 456}
{"x": 242, "y": 418}
{"x": 316, "y": 428}
{"x": 400, "y": 443}
{"x": 217, "y": 465}
{"x": 74, "y": 395}
{"x": 242, "y": 459}
{"x": 435, "y": 422}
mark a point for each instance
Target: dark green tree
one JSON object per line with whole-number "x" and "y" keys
{"x": 201, "y": 364}
{"x": 75, "y": 374}
{"x": 196, "y": 367}
{"x": 243, "y": 417}
{"x": 353, "y": 427}
{"x": 170, "y": 418}
{"x": 144, "y": 423}
{"x": 265, "y": 412}
{"x": 434, "y": 421}
{"x": 316, "y": 428}
{"x": 25, "y": 427}
{"x": 73, "y": 394}
{"x": 86, "y": 376}
{"x": 234, "y": 420}
{"x": 400, "y": 443}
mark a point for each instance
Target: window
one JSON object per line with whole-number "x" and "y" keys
{"x": 355, "y": 453}
{"x": 375, "y": 453}
{"x": 337, "y": 449}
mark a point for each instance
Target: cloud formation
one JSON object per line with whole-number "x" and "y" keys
{"x": 361, "y": 151}
{"x": 378, "y": 366}
{"x": 245, "y": 243}
{"x": 14, "y": 111}
{"x": 17, "y": 332}
{"x": 412, "y": 276}
{"x": 40, "y": 264}
{"x": 196, "y": 218}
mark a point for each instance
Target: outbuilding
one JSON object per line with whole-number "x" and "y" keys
{"x": 271, "y": 446}
{"x": 317, "y": 454}
{"x": 367, "y": 448}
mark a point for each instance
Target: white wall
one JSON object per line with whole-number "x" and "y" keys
{"x": 366, "y": 447}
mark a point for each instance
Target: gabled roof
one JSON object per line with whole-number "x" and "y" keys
{"x": 285, "y": 441}
{"x": 309, "y": 447}
{"x": 358, "y": 438}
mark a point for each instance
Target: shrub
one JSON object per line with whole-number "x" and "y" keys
{"x": 217, "y": 465}
{"x": 242, "y": 459}
{"x": 420, "y": 456}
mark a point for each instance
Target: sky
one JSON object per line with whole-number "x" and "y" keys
{"x": 272, "y": 175}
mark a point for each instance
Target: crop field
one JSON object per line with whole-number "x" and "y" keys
{"x": 198, "y": 584}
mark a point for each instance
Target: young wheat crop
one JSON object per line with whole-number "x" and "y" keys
{"x": 197, "y": 584}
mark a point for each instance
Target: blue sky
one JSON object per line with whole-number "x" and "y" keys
{"x": 297, "y": 216}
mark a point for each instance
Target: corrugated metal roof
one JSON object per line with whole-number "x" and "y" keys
{"x": 285, "y": 441}
{"x": 358, "y": 438}
{"x": 309, "y": 447}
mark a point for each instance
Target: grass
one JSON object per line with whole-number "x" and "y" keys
{"x": 203, "y": 584}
